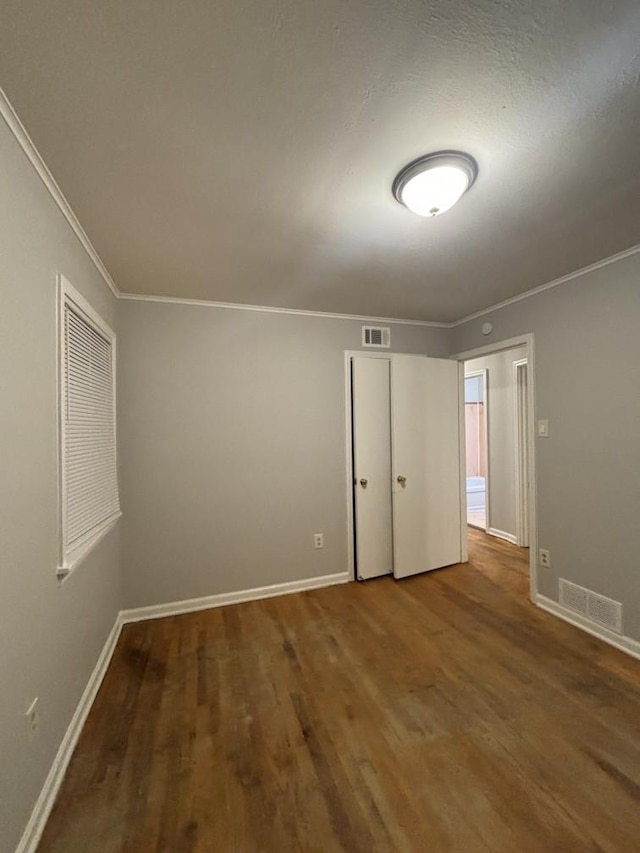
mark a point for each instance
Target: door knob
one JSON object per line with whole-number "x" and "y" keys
{"x": 402, "y": 480}
{"x": 363, "y": 483}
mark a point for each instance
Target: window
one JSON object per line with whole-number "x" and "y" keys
{"x": 88, "y": 467}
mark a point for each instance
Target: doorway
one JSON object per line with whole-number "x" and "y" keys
{"x": 521, "y": 380}
{"x": 499, "y": 389}
{"x": 476, "y": 451}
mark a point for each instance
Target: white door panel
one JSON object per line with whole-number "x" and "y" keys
{"x": 372, "y": 466}
{"x": 427, "y": 523}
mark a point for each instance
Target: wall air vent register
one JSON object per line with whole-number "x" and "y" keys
{"x": 596, "y": 608}
{"x": 378, "y": 337}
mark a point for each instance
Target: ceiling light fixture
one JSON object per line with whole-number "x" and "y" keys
{"x": 432, "y": 184}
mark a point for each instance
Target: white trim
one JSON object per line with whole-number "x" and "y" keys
{"x": 67, "y": 294}
{"x": 619, "y": 256}
{"x": 520, "y": 412}
{"x": 42, "y": 809}
{"x": 70, "y": 564}
{"x": 462, "y": 466}
{"x": 44, "y": 803}
{"x": 619, "y": 641}
{"x": 491, "y": 349}
{"x": 33, "y": 155}
{"x": 348, "y": 414}
{"x": 532, "y": 502}
{"x": 528, "y": 341}
{"x": 26, "y": 143}
{"x": 612, "y": 259}
{"x": 502, "y": 534}
{"x": 191, "y": 605}
{"x": 299, "y": 312}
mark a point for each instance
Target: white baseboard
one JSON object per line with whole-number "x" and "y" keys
{"x": 502, "y": 534}
{"x": 620, "y": 641}
{"x": 44, "y": 804}
{"x": 174, "y": 608}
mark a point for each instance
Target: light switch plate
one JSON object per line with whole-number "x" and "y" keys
{"x": 543, "y": 429}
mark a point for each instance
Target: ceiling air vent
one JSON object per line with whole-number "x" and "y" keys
{"x": 376, "y": 336}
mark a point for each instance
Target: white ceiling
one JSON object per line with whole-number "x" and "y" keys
{"x": 244, "y": 150}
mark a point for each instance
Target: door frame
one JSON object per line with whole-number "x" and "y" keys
{"x": 484, "y": 374}
{"x": 357, "y": 369}
{"x": 526, "y": 340}
{"x": 520, "y": 375}
{"x": 348, "y": 409}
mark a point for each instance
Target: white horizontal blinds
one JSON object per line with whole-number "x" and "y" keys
{"x": 90, "y": 476}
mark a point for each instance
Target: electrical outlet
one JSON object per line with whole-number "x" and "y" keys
{"x": 32, "y": 716}
{"x": 544, "y": 558}
{"x": 318, "y": 540}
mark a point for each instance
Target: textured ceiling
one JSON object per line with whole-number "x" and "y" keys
{"x": 243, "y": 150}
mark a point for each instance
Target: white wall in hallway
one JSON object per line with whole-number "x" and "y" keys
{"x": 501, "y": 423}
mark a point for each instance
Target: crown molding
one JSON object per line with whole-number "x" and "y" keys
{"x": 26, "y": 143}
{"x": 604, "y": 262}
{"x": 266, "y": 309}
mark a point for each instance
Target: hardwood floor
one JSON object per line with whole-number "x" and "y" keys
{"x": 440, "y": 713}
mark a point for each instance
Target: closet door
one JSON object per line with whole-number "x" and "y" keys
{"x": 372, "y": 466}
{"x": 425, "y": 427}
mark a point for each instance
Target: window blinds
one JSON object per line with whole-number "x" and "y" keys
{"x": 90, "y": 484}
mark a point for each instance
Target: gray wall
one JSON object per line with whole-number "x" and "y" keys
{"x": 232, "y": 454}
{"x": 502, "y": 439}
{"x": 587, "y": 383}
{"x": 232, "y": 446}
{"x": 50, "y": 636}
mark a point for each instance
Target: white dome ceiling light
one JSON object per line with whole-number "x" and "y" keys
{"x": 432, "y": 184}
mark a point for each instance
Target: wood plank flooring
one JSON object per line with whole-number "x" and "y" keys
{"x": 440, "y": 713}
